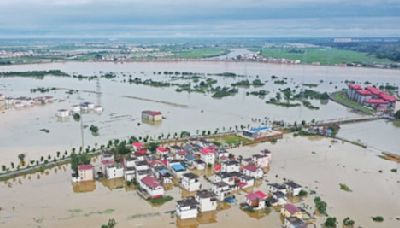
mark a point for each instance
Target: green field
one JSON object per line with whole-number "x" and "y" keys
{"x": 326, "y": 56}
{"x": 199, "y": 53}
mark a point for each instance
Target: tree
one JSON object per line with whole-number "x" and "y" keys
{"x": 330, "y": 222}
{"x": 397, "y": 115}
{"x": 12, "y": 165}
{"x": 3, "y": 168}
{"x": 21, "y": 158}
{"x": 76, "y": 116}
{"x": 58, "y": 154}
{"x": 79, "y": 159}
{"x": 111, "y": 224}
{"x": 348, "y": 222}
{"x": 320, "y": 205}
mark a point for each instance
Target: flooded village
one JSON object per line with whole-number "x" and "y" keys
{"x": 148, "y": 145}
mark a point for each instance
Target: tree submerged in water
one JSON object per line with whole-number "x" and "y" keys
{"x": 111, "y": 223}
{"x": 94, "y": 129}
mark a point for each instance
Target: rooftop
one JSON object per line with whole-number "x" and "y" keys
{"x": 190, "y": 175}
{"x": 258, "y": 195}
{"x": 151, "y": 182}
{"x": 85, "y": 167}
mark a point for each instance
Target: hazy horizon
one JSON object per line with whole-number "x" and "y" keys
{"x": 190, "y": 18}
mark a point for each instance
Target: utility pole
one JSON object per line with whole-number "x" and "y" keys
{"x": 82, "y": 132}
{"x": 98, "y": 91}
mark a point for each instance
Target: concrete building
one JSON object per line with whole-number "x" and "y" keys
{"x": 85, "y": 173}
{"x": 206, "y": 200}
{"x": 152, "y": 186}
{"x": 187, "y": 208}
{"x": 152, "y": 116}
{"x": 190, "y": 182}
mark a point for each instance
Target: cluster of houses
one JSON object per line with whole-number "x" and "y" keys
{"x": 372, "y": 97}
{"x": 153, "y": 171}
{"x": 84, "y": 107}
{"x": 23, "y": 102}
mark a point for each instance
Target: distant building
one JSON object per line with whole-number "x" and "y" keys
{"x": 62, "y": 113}
{"x": 152, "y": 116}
{"x": 372, "y": 97}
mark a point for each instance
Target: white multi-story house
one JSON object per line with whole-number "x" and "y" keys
{"x": 221, "y": 190}
{"x": 152, "y": 186}
{"x": 187, "y": 208}
{"x": 230, "y": 166}
{"x": 208, "y": 155}
{"x": 261, "y": 160}
{"x": 252, "y": 171}
{"x": 114, "y": 171}
{"x": 275, "y": 187}
{"x": 190, "y": 182}
{"x": 85, "y": 173}
{"x": 206, "y": 200}
{"x": 293, "y": 188}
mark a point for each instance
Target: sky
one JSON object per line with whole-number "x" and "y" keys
{"x": 199, "y": 18}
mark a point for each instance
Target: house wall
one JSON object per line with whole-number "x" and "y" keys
{"x": 114, "y": 172}
{"x": 86, "y": 175}
{"x": 190, "y": 184}
{"x": 186, "y": 213}
{"x": 207, "y": 205}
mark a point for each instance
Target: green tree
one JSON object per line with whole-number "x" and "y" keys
{"x": 330, "y": 222}
{"x": 348, "y": 222}
{"x": 397, "y": 115}
{"x": 79, "y": 159}
{"x": 21, "y": 158}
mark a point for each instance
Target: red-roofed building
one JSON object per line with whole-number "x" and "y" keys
{"x": 372, "y": 97}
{"x": 137, "y": 146}
{"x": 374, "y": 91}
{"x": 152, "y": 186}
{"x": 256, "y": 200}
{"x": 290, "y": 210}
{"x": 141, "y": 152}
{"x": 85, "y": 173}
{"x": 351, "y": 92}
{"x": 208, "y": 155}
{"x": 162, "y": 150}
{"x": 151, "y": 116}
{"x": 180, "y": 155}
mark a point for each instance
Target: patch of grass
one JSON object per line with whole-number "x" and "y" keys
{"x": 199, "y": 53}
{"x": 341, "y": 98}
{"x": 233, "y": 139}
{"x": 161, "y": 200}
{"x": 344, "y": 187}
{"x": 325, "y": 56}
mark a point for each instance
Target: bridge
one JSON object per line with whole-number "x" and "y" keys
{"x": 340, "y": 121}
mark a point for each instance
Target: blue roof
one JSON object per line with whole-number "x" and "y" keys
{"x": 178, "y": 167}
{"x": 262, "y": 128}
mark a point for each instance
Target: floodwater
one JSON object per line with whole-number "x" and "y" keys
{"x": 123, "y": 102}
{"x": 374, "y": 193}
